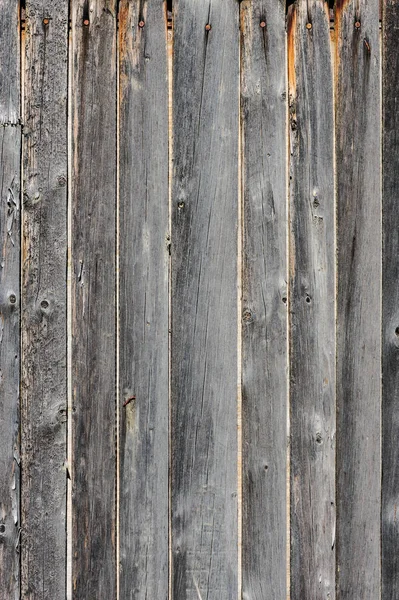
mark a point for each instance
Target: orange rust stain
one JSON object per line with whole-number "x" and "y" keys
{"x": 291, "y": 29}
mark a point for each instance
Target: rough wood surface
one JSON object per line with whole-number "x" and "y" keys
{"x": 264, "y": 299}
{"x": 390, "y": 303}
{"x": 44, "y": 224}
{"x": 144, "y": 301}
{"x": 10, "y": 144}
{"x": 204, "y": 300}
{"x": 93, "y": 297}
{"x": 358, "y": 129}
{"x": 312, "y": 303}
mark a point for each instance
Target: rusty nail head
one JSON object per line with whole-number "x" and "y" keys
{"x": 86, "y": 22}
{"x": 262, "y": 24}
{"x": 357, "y": 24}
{"x": 208, "y": 27}
{"x": 141, "y": 24}
{"x": 308, "y": 25}
{"x": 46, "y": 21}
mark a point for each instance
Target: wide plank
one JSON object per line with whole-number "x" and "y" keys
{"x": 358, "y": 178}
{"x": 93, "y": 298}
{"x": 143, "y": 301}
{"x": 204, "y": 300}
{"x": 10, "y": 144}
{"x": 44, "y": 250}
{"x": 264, "y": 299}
{"x": 312, "y": 302}
{"x": 390, "y": 302}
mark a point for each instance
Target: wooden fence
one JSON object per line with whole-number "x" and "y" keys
{"x": 199, "y": 334}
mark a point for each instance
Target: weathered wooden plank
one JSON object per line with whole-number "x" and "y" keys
{"x": 43, "y": 301}
{"x": 264, "y": 299}
{"x": 10, "y": 144}
{"x": 390, "y": 302}
{"x": 204, "y": 299}
{"x": 144, "y": 301}
{"x": 93, "y": 297}
{"x": 312, "y": 302}
{"x": 358, "y": 128}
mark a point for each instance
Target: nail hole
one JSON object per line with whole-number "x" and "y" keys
{"x": 319, "y": 438}
{"x": 266, "y": 467}
{"x": 180, "y": 205}
{"x": 284, "y": 299}
{"x": 2, "y": 528}
{"x": 397, "y": 331}
{"x": 308, "y": 299}
{"x": 13, "y": 299}
{"x": 44, "y": 304}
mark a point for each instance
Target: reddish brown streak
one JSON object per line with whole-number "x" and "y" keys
{"x": 126, "y": 402}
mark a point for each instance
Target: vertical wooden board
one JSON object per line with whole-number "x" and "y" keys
{"x": 390, "y": 303}
{"x": 312, "y": 302}
{"x": 44, "y": 249}
{"x": 358, "y": 128}
{"x": 93, "y": 297}
{"x": 264, "y": 298}
{"x": 10, "y": 144}
{"x": 144, "y": 301}
{"x": 204, "y": 300}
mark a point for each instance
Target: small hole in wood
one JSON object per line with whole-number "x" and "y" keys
{"x": 397, "y": 331}
{"x": 308, "y": 299}
{"x": 2, "y": 528}
{"x": 44, "y": 304}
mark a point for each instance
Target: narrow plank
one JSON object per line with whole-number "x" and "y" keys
{"x": 204, "y": 300}
{"x": 264, "y": 299}
{"x": 312, "y": 302}
{"x": 10, "y": 144}
{"x": 93, "y": 297}
{"x": 144, "y": 303}
{"x": 390, "y": 303}
{"x": 358, "y": 170}
{"x": 44, "y": 248}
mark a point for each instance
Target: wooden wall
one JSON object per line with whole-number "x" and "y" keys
{"x": 199, "y": 300}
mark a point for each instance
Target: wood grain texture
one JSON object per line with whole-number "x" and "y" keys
{"x": 358, "y": 129}
{"x": 10, "y": 145}
{"x": 44, "y": 224}
{"x": 264, "y": 299}
{"x": 144, "y": 301}
{"x": 312, "y": 303}
{"x": 204, "y": 300}
{"x": 93, "y": 297}
{"x": 390, "y": 303}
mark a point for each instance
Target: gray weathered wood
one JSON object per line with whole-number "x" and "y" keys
{"x": 264, "y": 299}
{"x": 144, "y": 301}
{"x": 358, "y": 129}
{"x": 93, "y": 297}
{"x": 312, "y": 303}
{"x": 43, "y": 302}
{"x": 10, "y": 143}
{"x": 204, "y": 300}
{"x": 390, "y": 303}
